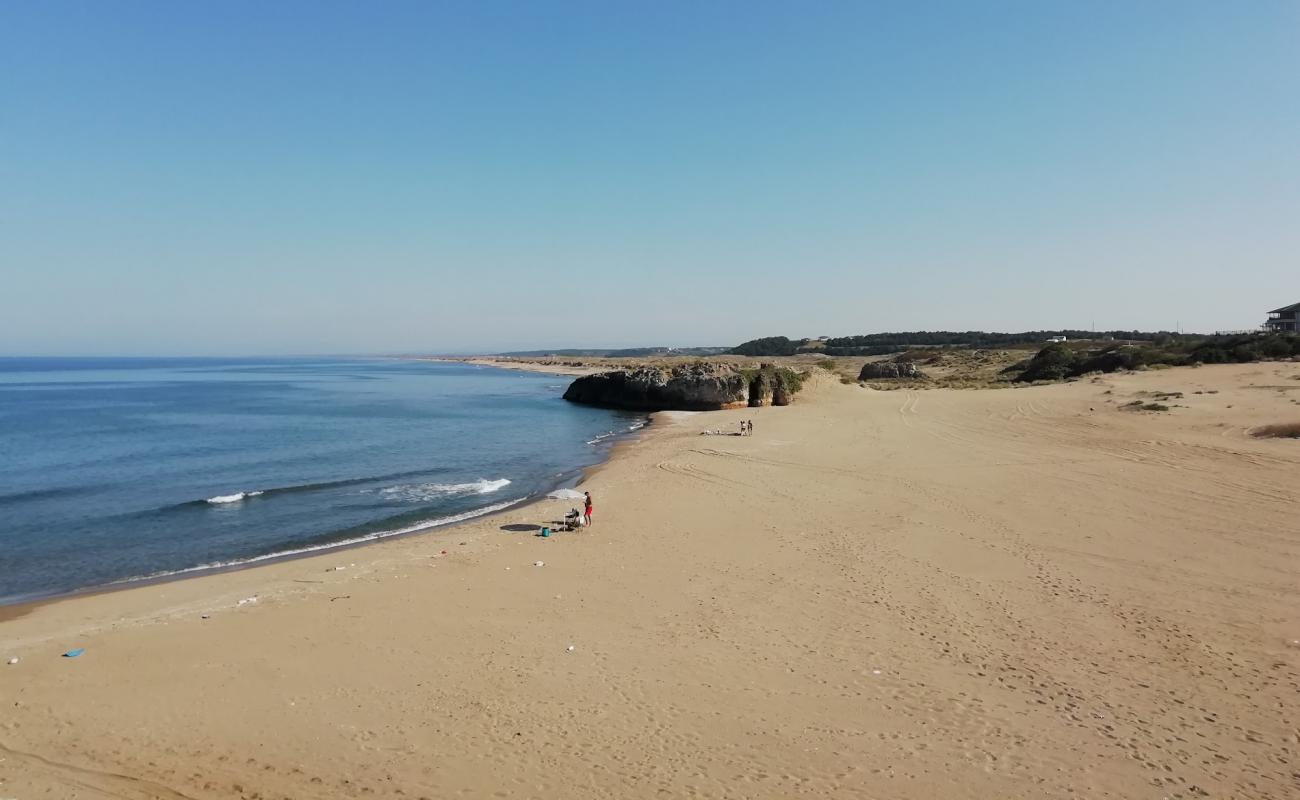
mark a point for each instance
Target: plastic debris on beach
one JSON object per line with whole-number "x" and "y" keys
{"x": 570, "y": 648}
{"x": 539, "y": 563}
{"x": 247, "y": 600}
{"x": 12, "y": 661}
{"x": 74, "y": 652}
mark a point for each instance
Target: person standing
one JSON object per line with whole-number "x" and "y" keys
{"x": 586, "y": 509}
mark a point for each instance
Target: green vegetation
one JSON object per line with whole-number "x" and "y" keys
{"x": 788, "y": 379}
{"x": 631, "y": 352}
{"x": 874, "y": 350}
{"x": 835, "y": 345}
{"x": 878, "y": 344}
{"x": 1054, "y": 362}
{"x": 1060, "y": 360}
{"x": 767, "y": 346}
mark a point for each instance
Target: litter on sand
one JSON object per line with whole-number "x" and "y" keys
{"x": 13, "y": 661}
{"x": 74, "y": 652}
{"x": 247, "y": 600}
{"x": 539, "y": 563}
{"x": 570, "y": 648}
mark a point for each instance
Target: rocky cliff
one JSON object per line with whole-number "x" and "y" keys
{"x": 890, "y": 370}
{"x": 687, "y": 387}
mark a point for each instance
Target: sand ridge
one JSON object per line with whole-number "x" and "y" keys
{"x": 912, "y": 594}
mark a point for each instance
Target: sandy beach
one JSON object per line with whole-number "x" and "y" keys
{"x": 1019, "y": 593}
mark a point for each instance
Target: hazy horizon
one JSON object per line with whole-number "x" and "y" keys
{"x": 303, "y": 178}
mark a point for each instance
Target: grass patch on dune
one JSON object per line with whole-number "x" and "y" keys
{"x": 1138, "y": 405}
{"x": 1290, "y": 430}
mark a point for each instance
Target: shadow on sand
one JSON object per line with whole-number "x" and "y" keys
{"x": 520, "y": 528}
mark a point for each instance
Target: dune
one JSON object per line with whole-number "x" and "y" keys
{"x": 1018, "y": 593}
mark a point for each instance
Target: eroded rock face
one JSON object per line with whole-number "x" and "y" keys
{"x": 760, "y": 389}
{"x": 691, "y": 387}
{"x": 688, "y": 387}
{"x": 890, "y": 370}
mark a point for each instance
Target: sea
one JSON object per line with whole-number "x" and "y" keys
{"x": 119, "y": 470}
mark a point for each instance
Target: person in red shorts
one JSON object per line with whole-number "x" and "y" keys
{"x": 586, "y": 509}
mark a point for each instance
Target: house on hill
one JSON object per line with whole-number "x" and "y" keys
{"x": 1283, "y": 319}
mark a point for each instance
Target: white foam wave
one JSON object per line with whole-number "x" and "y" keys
{"x": 370, "y": 537}
{"x": 231, "y": 498}
{"x": 415, "y": 492}
{"x": 602, "y": 437}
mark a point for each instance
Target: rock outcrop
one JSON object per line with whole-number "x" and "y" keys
{"x": 882, "y": 370}
{"x": 688, "y": 387}
{"x": 760, "y": 388}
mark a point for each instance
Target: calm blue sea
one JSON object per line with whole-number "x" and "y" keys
{"x": 118, "y": 469}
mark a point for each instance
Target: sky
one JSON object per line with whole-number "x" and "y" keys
{"x": 338, "y": 177}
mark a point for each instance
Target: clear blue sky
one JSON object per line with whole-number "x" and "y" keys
{"x": 289, "y": 177}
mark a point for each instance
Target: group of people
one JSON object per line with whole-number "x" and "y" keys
{"x": 746, "y": 429}
{"x": 573, "y": 521}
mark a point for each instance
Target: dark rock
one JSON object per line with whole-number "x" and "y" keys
{"x": 691, "y": 387}
{"x": 760, "y": 387}
{"x": 701, "y": 386}
{"x": 889, "y": 370}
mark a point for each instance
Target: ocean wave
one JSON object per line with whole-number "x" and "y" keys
{"x": 51, "y": 493}
{"x": 418, "y": 492}
{"x": 222, "y": 499}
{"x": 633, "y": 427}
{"x": 601, "y": 437}
{"x": 294, "y": 489}
{"x": 314, "y": 548}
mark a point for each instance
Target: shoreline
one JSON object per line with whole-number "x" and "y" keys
{"x": 575, "y": 476}
{"x": 568, "y": 370}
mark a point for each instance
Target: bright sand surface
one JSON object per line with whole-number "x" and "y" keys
{"x": 1020, "y": 593}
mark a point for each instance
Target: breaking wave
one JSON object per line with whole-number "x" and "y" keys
{"x": 419, "y": 492}
{"x": 222, "y": 499}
